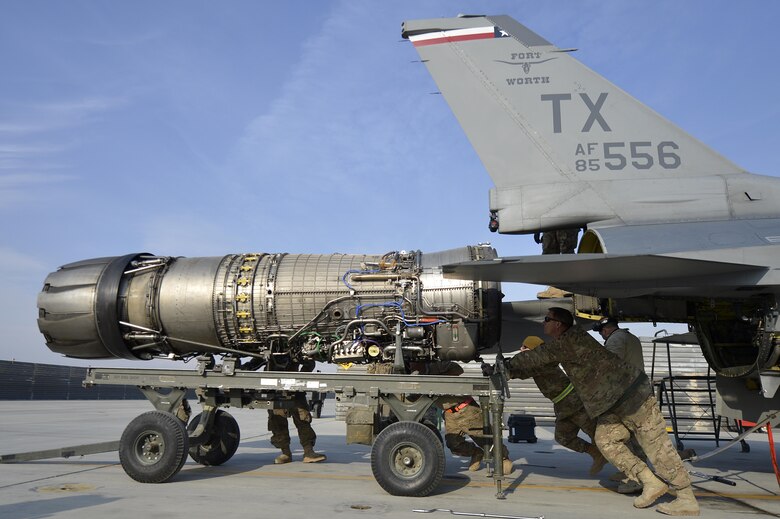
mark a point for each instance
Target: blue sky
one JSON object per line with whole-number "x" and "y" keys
{"x": 201, "y": 128}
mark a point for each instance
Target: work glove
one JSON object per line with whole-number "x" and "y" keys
{"x": 490, "y": 369}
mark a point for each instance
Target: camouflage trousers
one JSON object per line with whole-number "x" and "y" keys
{"x": 277, "y": 424}
{"x": 466, "y": 423}
{"x": 567, "y": 429}
{"x": 640, "y": 415}
{"x": 559, "y": 242}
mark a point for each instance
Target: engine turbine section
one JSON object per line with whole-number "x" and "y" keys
{"x": 331, "y": 308}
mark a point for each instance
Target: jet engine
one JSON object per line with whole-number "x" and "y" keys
{"x": 337, "y": 308}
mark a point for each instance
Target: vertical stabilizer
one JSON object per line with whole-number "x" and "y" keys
{"x": 564, "y": 146}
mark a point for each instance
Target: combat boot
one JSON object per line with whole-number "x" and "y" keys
{"x": 618, "y": 476}
{"x": 309, "y": 456}
{"x": 508, "y": 466}
{"x": 284, "y": 457}
{"x": 552, "y": 293}
{"x": 685, "y": 504}
{"x": 476, "y": 459}
{"x": 629, "y": 486}
{"x": 598, "y": 460}
{"x": 653, "y": 488}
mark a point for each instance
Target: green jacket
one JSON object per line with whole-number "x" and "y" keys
{"x": 600, "y": 377}
{"x": 554, "y": 384}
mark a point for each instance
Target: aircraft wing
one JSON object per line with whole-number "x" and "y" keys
{"x": 590, "y": 273}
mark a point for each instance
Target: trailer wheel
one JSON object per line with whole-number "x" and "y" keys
{"x": 407, "y": 459}
{"x": 221, "y": 441}
{"x": 153, "y": 447}
{"x": 435, "y": 430}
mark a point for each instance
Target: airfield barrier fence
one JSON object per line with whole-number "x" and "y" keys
{"x": 31, "y": 381}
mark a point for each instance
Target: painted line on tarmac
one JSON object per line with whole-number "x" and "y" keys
{"x": 465, "y": 482}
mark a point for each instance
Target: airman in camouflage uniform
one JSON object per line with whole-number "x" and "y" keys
{"x": 277, "y": 421}
{"x": 621, "y": 342}
{"x": 619, "y": 396}
{"x": 628, "y": 347}
{"x": 570, "y": 415}
{"x": 559, "y": 242}
{"x": 563, "y": 241}
{"x": 462, "y": 419}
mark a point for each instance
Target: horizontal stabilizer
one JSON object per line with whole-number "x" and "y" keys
{"x": 585, "y": 273}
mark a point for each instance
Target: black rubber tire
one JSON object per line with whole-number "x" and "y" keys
{"x": 407, "y": 459}
{"x": 221, "y": 442}
{"x": 316, "y": 409}
{"x": 430, "y": 425}
{"x": 153, "y": 447}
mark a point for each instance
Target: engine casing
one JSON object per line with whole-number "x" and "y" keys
{"x": 332, "y": 308}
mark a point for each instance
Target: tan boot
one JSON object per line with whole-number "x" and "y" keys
{"x": 552, "y": 293}
{"x": 284, "y": 457}
{"x": 685, "y": 504}
{"x": 618, "y": 476}
{"x": 598, "y": 460}
{"x": 476, "y": 459}
{"x": 629, "y": 486}
{"x": 653, "y": 488}
{"x": 309, "y": 456}
{"x": 508, "y": 466}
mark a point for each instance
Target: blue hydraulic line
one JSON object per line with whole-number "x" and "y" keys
{"x": 366, "y": 341}
{"x": 347, "y": 273}
{"x": 400, "y": 310}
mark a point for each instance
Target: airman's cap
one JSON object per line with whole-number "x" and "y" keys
{"x": 532, "y": 341}
{"x": 604, "y": 322}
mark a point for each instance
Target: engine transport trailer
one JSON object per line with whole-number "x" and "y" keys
{"x": 387, "y": 412}
{"x": 235, "y": 313}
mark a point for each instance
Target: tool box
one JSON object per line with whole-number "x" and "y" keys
{"x": 521, "y": 428}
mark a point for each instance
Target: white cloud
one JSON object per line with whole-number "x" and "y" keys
{"x": 342, "y": 123}
{"x": 22, "y": 179}
{"x": 125, "y": 40}
{"x": 10, "y": 150}
{"x": 36, "y": 140}
{"x": 13, "y": 262}
{"x": 36, "y": 118}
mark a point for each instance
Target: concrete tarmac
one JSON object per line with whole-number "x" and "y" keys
{"x": 549, "y": 480}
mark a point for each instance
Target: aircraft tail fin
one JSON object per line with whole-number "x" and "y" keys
{"x": 564, "y": 146}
